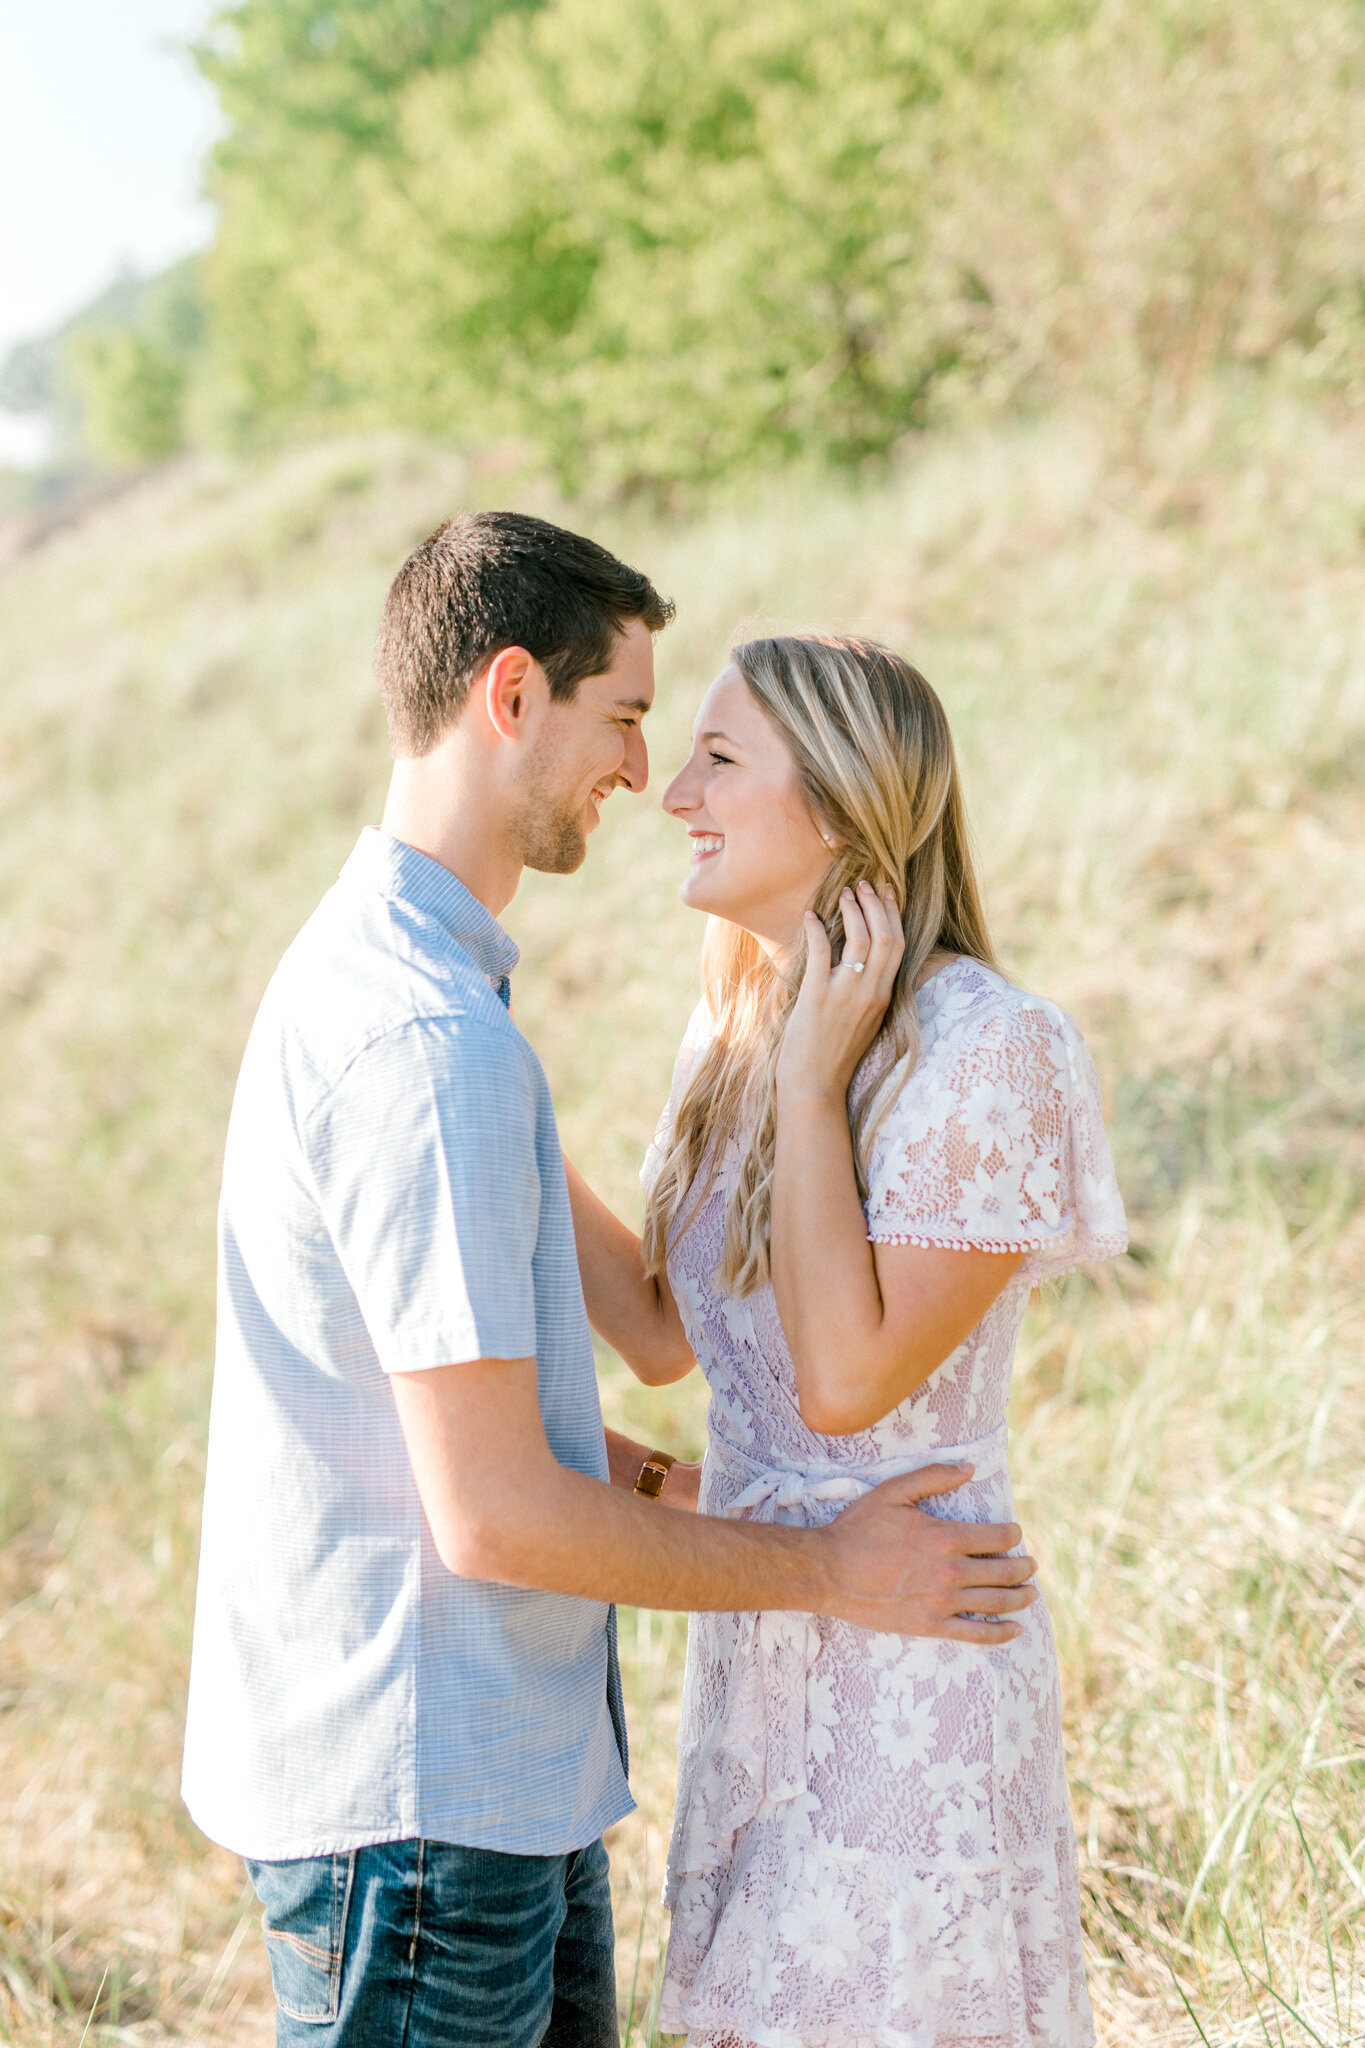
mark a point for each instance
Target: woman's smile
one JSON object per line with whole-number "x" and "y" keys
{"x": 741, "y": 769}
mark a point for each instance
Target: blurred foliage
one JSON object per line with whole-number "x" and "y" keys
{"x": 313, "y": 92}
{"x": 687, "y": 240}
{"x": 112, "y": 379}
{"x": 133, "y": 391}
{"x": 1176, "y": 189}
{"x": 130, "y": 377}
{"x": 662, "y": 240}
{"x": 658, "y": 240}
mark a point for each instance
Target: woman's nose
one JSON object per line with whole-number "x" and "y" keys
{"x": 680, "y": 794}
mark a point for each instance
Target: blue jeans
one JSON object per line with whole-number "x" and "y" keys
{"x": 427, "y": 1945}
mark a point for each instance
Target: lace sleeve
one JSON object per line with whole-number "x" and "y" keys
{"x": 695, "y": 1039}
{"x": 997, "y": 1141}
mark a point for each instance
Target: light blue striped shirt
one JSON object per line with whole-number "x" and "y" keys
{"x": 393, "y": 1199}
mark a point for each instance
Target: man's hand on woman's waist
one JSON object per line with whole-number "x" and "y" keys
{"x": 502, "y": 1508}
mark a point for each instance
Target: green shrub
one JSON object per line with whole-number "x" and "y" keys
{"x": 132, "y": 393}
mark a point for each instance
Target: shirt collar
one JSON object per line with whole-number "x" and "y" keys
{"x": 395, "y": 869}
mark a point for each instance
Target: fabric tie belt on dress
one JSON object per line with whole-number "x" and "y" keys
{"x": 768, "y": 1723}
{"x": 772, "y": 1488}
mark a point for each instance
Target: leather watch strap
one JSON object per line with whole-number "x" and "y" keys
{"x": 653, "y": 1473}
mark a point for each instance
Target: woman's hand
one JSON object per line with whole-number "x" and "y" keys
{"x": 839, "y": 1010}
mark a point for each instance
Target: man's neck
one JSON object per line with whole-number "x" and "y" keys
{"x": 429, "y": 810}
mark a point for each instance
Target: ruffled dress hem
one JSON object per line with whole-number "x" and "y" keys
{"x": 942, "y": 1959}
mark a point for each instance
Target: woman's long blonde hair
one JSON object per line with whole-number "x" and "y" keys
{"x": 877, "y": 768}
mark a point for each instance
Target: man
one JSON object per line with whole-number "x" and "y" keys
{"x": 404, "y": 1704}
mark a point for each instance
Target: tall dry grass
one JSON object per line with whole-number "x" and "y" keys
{"x": 1173, "y": 187}
{"x": 1156, "y": 675}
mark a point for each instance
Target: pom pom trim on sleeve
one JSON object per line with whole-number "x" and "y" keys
{"x": 959, "y": 1244}
{"x": 1093, "y": 1251}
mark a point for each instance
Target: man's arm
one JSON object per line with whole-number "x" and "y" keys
{"x": 501, "y": 1507}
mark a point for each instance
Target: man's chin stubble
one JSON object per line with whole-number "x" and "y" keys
{"x": 555, "y": 845}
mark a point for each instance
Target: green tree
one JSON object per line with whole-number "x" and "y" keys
{"x": 661, "y": 238}
{"x": 685, "y": 238}
{"x": 311, "y": 89}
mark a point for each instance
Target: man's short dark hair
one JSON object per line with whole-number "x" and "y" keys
{"x": 490, "y": 580}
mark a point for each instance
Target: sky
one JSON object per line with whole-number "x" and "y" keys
{"x": 104, "y": 125}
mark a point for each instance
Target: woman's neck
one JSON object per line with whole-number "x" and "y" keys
{"x": 935, "y": 964}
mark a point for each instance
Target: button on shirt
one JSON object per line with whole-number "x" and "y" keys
{"x": 393, "y": 1199}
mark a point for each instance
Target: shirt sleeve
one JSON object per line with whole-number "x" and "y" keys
{"x": 998, "y": 1143}
{"x": 424, "y": 1163}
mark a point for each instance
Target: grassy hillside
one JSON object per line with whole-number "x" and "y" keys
{"x": 1158, "y": 680}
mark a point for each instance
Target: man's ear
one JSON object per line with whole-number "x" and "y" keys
{"x": 510, "y": 691}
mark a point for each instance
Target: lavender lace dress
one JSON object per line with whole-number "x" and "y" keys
{"x": 872, "y": 1847}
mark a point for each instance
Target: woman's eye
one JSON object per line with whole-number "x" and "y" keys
{"x": 721, "y": 758}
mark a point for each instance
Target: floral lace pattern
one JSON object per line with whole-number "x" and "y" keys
{"x": 872, "y": 1846}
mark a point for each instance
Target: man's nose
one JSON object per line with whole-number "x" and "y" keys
{"x": 634, "y": 769}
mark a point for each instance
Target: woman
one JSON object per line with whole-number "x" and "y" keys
{"x": 874, "y": 1148}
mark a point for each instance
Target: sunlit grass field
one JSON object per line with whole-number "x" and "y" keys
{"x": 1156, "y": 671}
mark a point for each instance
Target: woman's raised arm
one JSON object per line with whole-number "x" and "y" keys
{"x": 866, "y": 1324}
{"x": 635, "y": 1312}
